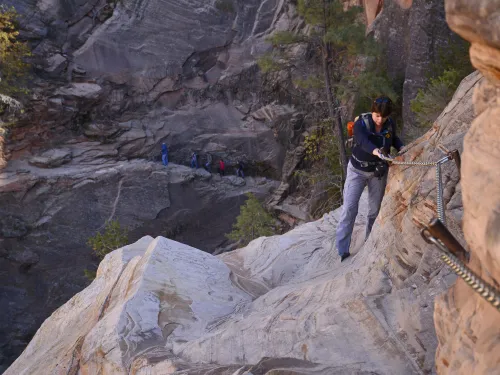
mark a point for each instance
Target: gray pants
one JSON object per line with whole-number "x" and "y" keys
{"x": 354, "y": 185}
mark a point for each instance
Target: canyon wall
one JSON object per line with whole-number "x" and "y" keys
{"x": 468, "y": 327}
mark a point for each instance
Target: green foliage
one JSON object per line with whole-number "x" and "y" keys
{"x": 451, "y": 66}
{"x": 338, "y": 51}
{"x": 431, "y": 101}
{"x": 312, "y": 82}
{"x": 89, "y": 274}
{"x": 284, "y": 38}
{"x": 343, "y": 29}
{"x": 368, "y": 85}
{"x": 321, "y": 146}
{"x": 13, "y": 52}
{"x": 253, "y": 222}
{"x": 113, "y": 237}
{"x": 455, "y": 56}
{"x": 267, "y": 63}
{"x": 225, "y": 6}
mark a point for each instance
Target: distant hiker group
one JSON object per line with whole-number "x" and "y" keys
{"x": 207, "y": 165}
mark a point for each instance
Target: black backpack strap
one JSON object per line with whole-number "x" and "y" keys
{"x": 366, "y": 121}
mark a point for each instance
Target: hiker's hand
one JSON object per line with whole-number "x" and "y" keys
{"x": 377, "y": 152}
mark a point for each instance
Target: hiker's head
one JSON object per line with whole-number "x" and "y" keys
{"x": 381, "y": 109}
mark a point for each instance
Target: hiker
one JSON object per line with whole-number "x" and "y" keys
{"x": 222, "y": 167}
{"x": 239, "y": 171}
{"x": 164, "y": 154}
{"x": 374, "y": 134}
{"x": 208, "y": 164}
{"x": 194, "y": 160}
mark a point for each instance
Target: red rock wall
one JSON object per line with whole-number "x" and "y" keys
{"x": 468, "y": 328}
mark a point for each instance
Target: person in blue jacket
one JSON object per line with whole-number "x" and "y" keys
{"x": 194, "y": 160}
{"x": 164, "y": 154}
{"x": 374, "y": 135}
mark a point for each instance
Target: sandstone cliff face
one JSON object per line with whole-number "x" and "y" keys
{"x": 160, "y": 307}
{"x": 468, "y": 328}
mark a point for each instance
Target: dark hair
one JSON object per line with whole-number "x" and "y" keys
{"x": 382, "y": 105}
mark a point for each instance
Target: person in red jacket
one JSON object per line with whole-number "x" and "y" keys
{"x": 222, "y": 167}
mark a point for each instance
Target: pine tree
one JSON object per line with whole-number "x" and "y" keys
{"x": 112, "y": 238}
{"x": 253, "y": 222}
{"x": 13, "y": 52}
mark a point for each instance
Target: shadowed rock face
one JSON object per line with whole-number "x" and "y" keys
{"x": 132, "y": 74}
{"x": 281, "y": 305}
{"x": 468, "y": 328}
{"x": 413, "y": 32}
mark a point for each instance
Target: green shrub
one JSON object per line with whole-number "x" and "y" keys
{"x": 268, "y": 64}
{"x": 13, "y": 53}
{"x": 325, "y": 175}
{"x": 225, "y": 6}
{"x": 89, "y": 274}
{"x": 451, "y": 66}
{"x": 113, "y": 237}
{"x": 253, "y": 222}
{"x": 430, "y": 102}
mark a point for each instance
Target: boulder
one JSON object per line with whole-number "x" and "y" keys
{"x": 132, "y": 305}
{"x": 56, "y": 65}
{"x": 81, "y": 90}
{"x": 52, "y": 158}
{"x": 234, "y": 180}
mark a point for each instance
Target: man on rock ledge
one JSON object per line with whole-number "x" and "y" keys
{"x": 374, "y": 134}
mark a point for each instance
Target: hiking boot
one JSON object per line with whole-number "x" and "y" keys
{"x": 344, "y": 256}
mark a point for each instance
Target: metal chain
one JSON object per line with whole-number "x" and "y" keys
{"x": 475, "y": 282}
{"x": 440, "y": 200}
{"x": 417, "y": 163}
{"x": 485, "y": 290}
{"x": 439, "y": 183}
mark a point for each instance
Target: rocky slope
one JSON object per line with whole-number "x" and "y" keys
{"x": 284, "y": 304}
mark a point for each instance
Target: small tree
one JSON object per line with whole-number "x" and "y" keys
{"x": 13, "y": 52}
{"x": 253, "y": 222}
{"x": 451, "y": 66}
{"x": 13, "y": 72}
{"x": 113, "y": 237}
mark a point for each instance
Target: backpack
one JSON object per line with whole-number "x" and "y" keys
{"x": 351, "y": 142}
{"x": 350, "y": 128}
